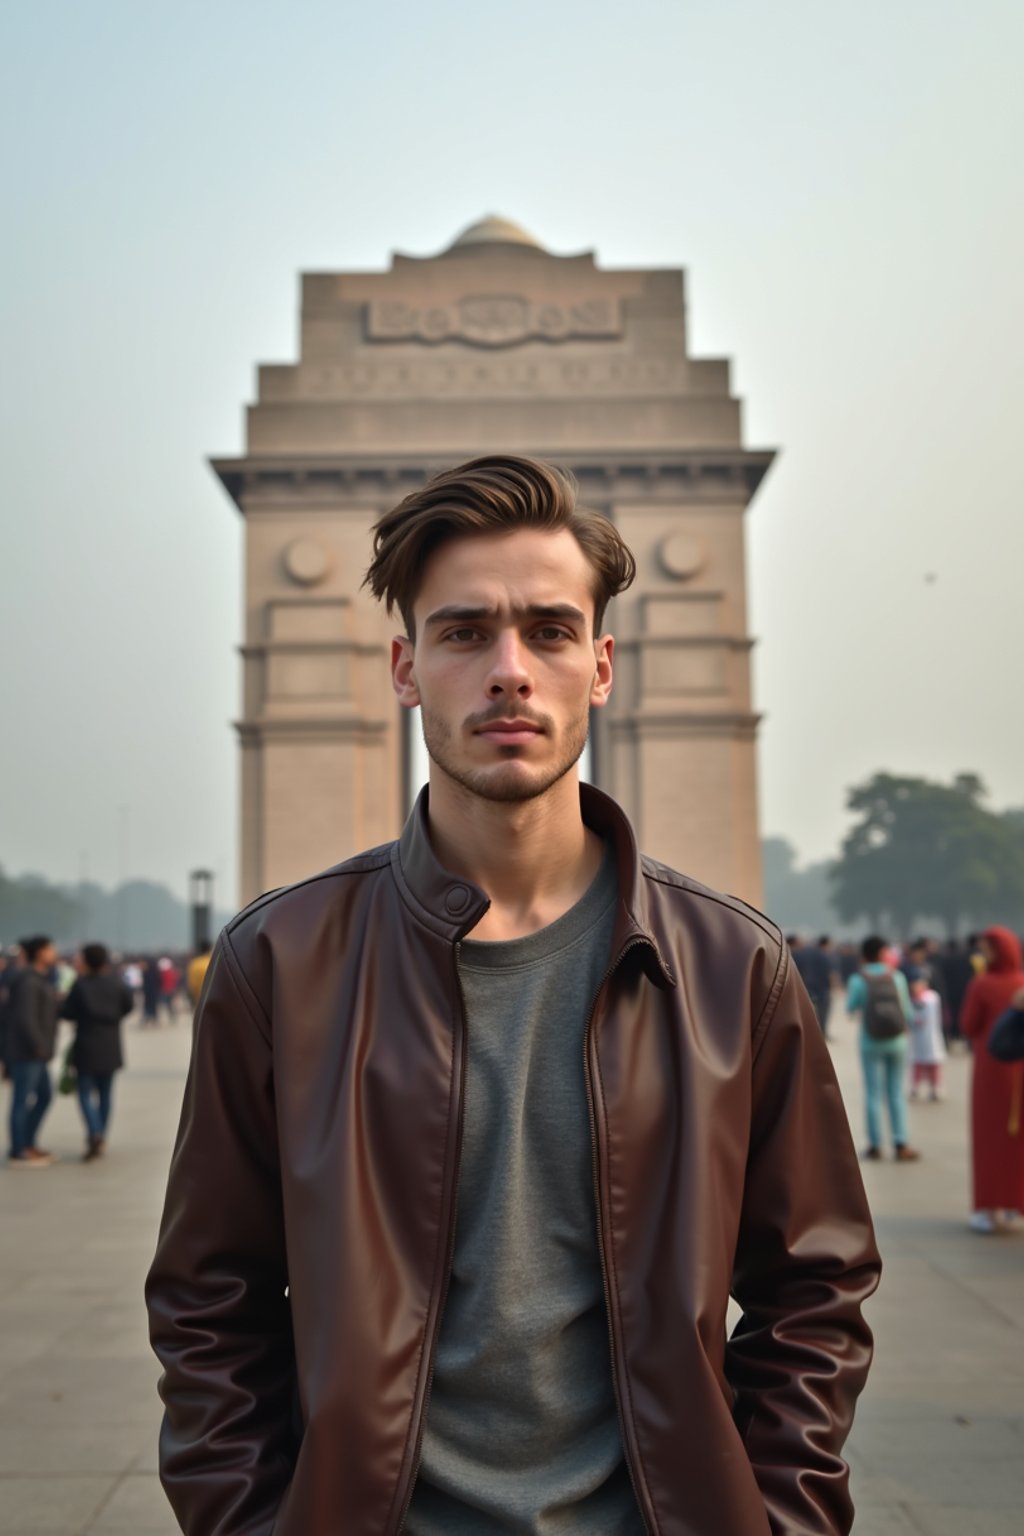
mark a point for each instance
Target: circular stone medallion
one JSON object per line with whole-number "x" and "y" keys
{"x": 307, "y": 561}
{"x": 682, "y": 555}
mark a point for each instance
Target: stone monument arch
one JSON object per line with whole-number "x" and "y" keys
{"x": 494, "y": 345}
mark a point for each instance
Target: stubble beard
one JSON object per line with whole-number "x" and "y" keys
{"x": 504, "y": 785}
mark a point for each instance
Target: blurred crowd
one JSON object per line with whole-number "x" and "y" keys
{"x": 948, "y": 966}
{"x": 95, "y": 992}
{"x": 915, "y": 1003}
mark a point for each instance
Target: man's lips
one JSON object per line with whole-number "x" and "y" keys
{"x": 509, "y": 732}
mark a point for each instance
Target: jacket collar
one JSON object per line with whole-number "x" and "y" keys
{"x": 451, "y": 906}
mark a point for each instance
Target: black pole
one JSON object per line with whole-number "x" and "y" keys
{"x": 201, "y": 901}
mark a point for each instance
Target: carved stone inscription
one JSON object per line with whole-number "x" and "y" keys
{"x": 442, "y": 375}
{"x": 494, "y": 320}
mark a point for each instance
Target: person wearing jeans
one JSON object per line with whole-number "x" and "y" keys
{"x": 884, "y": 1061}
{"x": 95, "y": 1091}
{"x": 96, "y": 1004}
{"x": 31, "y": 1038}
{"x": 30, "y": 1099}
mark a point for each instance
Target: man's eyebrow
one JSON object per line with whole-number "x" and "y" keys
{"x": 556, "y": 611}
{"x": 455, "y": 613}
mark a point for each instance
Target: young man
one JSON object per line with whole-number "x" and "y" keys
{"x": 484, "y": 1127}
{"x": 30, "y": 1028}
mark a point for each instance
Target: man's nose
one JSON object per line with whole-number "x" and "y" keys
{"x": 510, "y": 672}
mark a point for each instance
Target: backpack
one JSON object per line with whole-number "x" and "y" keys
{"x": 1006, "y": 1042}
{"x": 883, "y": 1011}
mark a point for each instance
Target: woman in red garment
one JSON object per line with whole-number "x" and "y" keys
{"x": 997, "y": 1088}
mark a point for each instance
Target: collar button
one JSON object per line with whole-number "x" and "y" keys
{"x": 456, "y": 900}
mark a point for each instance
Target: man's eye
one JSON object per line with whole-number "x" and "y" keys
{"x": 553, "y": 632}
{"x": 461, "y": 634}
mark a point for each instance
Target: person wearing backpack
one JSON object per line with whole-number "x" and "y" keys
{"x": 879, "y": 995}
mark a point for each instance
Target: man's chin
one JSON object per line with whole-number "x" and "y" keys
{"x": 508, "y": 783}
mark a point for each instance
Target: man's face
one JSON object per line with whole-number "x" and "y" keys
{"x": 505, "y": 666}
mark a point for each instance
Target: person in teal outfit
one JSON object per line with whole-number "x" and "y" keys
{"x": 879, "y": 996}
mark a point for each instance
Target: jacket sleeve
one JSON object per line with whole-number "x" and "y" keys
{"x": 219, "y": 1316}
{"x": 32, "y": 999}
{"x": 806, "y": 1260}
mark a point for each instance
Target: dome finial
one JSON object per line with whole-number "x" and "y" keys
{"x": 494, "y": 230}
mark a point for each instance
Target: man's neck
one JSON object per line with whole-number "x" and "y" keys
{"x": 535, "y": 858}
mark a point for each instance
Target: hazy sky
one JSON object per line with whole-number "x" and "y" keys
{"x": 841, "y": 182}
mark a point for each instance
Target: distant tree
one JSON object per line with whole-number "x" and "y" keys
{"x": 797, "y": 899}
{"x": 778, "y": 859}
{"x": 30, "y": 905}
{"x": 921, "y": 849}
{"x": 140, "y": 915}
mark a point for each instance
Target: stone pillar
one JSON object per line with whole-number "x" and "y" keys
{"x": 679, "y": 738}
{"x": 321, "y": 754}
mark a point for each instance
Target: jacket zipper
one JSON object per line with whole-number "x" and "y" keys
{"x": 450, "y": 1254}
{"x": 634, "y": 1476}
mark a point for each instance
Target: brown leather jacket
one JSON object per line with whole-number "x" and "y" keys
{"x": 301, "y": 1269}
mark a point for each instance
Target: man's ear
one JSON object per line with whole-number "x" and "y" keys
{"x": 601, "y": 688}
{"x": 403, "y": 679}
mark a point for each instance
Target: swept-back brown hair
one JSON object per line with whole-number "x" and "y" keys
{"x": 497, "y": 494}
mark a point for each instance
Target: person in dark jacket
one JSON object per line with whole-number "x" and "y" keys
{"x": 958, "y": 970}
{"x": 96, "y": 1004}
{"x": 31, "y": 1035}
{"x": 12, "y": 967}
{"x": 816, "y": 966}
{"x": 151, "y": 993}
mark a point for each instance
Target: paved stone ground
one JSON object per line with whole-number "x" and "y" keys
{"x": 938, "y": 1447}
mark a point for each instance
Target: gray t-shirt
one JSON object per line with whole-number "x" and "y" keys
{"x": 522, "y": 1431}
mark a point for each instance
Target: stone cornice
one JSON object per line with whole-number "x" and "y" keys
{"x": 682, "y": 722}
{"x": 704, "y": 474}
{"x": 348, "y": 727}
{"x": 687, "y": 642}
{"x": 258, "y": 648}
